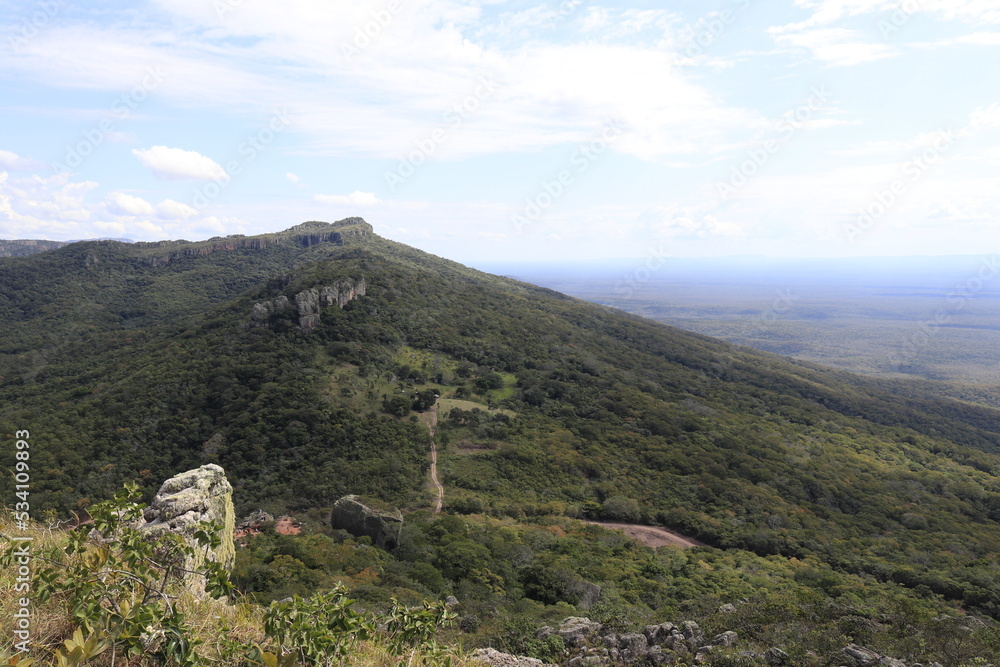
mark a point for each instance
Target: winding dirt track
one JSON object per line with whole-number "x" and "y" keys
{"x": 651, "y": 536}
{"x": 431, "y": 424}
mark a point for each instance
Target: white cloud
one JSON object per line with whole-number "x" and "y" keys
{"x": 123, "y": 204}
{"x": 837, "y": 46}
{"x": 169, "y": 209}
{"x": 356, "y": 198}
{"x": 52, "y": 207}
{"x": 827, "y": 12}
{"x": 178, "y": 164}
{"x": 429, "y": 58}
{"x": 294, "y": 178}
{"x": 14, "y": 162}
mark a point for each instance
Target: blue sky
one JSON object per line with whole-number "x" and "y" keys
{"x": 488, "y": 130}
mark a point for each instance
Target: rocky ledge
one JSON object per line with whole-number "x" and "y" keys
{"x": 588, "y": 642}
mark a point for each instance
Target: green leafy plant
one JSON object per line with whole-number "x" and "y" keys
{"x": 411, "y": 630}
{"x": 120, "y": 585}
{"x": 321, "y": 630}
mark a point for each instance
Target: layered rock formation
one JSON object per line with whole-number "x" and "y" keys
{"x": 350, "y": 514}
{"x": 307, "y": 234}
{"x": 309, "y": 303}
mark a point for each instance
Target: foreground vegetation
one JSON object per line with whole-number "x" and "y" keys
{"x": 324, "y": 597}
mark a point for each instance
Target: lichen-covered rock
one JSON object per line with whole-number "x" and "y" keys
{"x": 574, "y": 630}
{"x": 859, "y": 656}
{"x": 727, "y": 638}
{"x": 186, "y": 500}
{"x": 692, "y": 632}
{"x": 657, "y": 634}
{"x": 350, "y": 514}
{"x": 495, "y": 658}
{"x": 633, "y": 647}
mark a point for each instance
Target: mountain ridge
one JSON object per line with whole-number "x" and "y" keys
{"x": 614, "y": 417}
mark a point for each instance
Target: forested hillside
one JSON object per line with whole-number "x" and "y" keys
{"x": 306, "y": 363}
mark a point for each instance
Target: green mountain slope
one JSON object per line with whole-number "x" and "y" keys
{"x": 142, "y": 360}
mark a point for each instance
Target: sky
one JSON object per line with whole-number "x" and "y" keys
{"x": 524, "y": 131}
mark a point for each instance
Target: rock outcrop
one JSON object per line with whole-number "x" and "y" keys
{"x": 350, "y": 514}
{"x": 183, "y": 502}
{"x": 309, "y": 303}
{"x": 307, "y": 234}
{"x": 589, "y": 643}
{"x": 495, "y": 658}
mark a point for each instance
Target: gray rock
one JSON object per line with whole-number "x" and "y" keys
{"x": 495, "y": 658}
{"x": 633, "y": 647}
{"x": 692, "y": 632}
{"x": 727, "y": 638}
{"x": 309, "y": 303}
{"x": 350, "y": 514}
{"x": 859, "y": 656}
{"x": 451, "y": 602}
{"x": 727, "y": 609}
{"x": 577, "y": 631}
{"x": 775, "y": 656}
{"x": 583, "y": 661}
{"x": 656, "y": 634}
{"x": 891, "y": 662}
{"x": 656, "y": 656}
{"x": 182, "y": 503}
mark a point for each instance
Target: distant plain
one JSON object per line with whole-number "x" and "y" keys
{"x": 928, "y": 318}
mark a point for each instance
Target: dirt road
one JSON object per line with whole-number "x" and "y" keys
{"x": 431, "y": 424}
{"x": 651, "y": 536}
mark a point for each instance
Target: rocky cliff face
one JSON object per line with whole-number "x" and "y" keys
{"x": 187, "y": 499}
{"x": 309, "y": 303}
{"x": 306, "y": 235}
{"x": 350, "y": 514}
